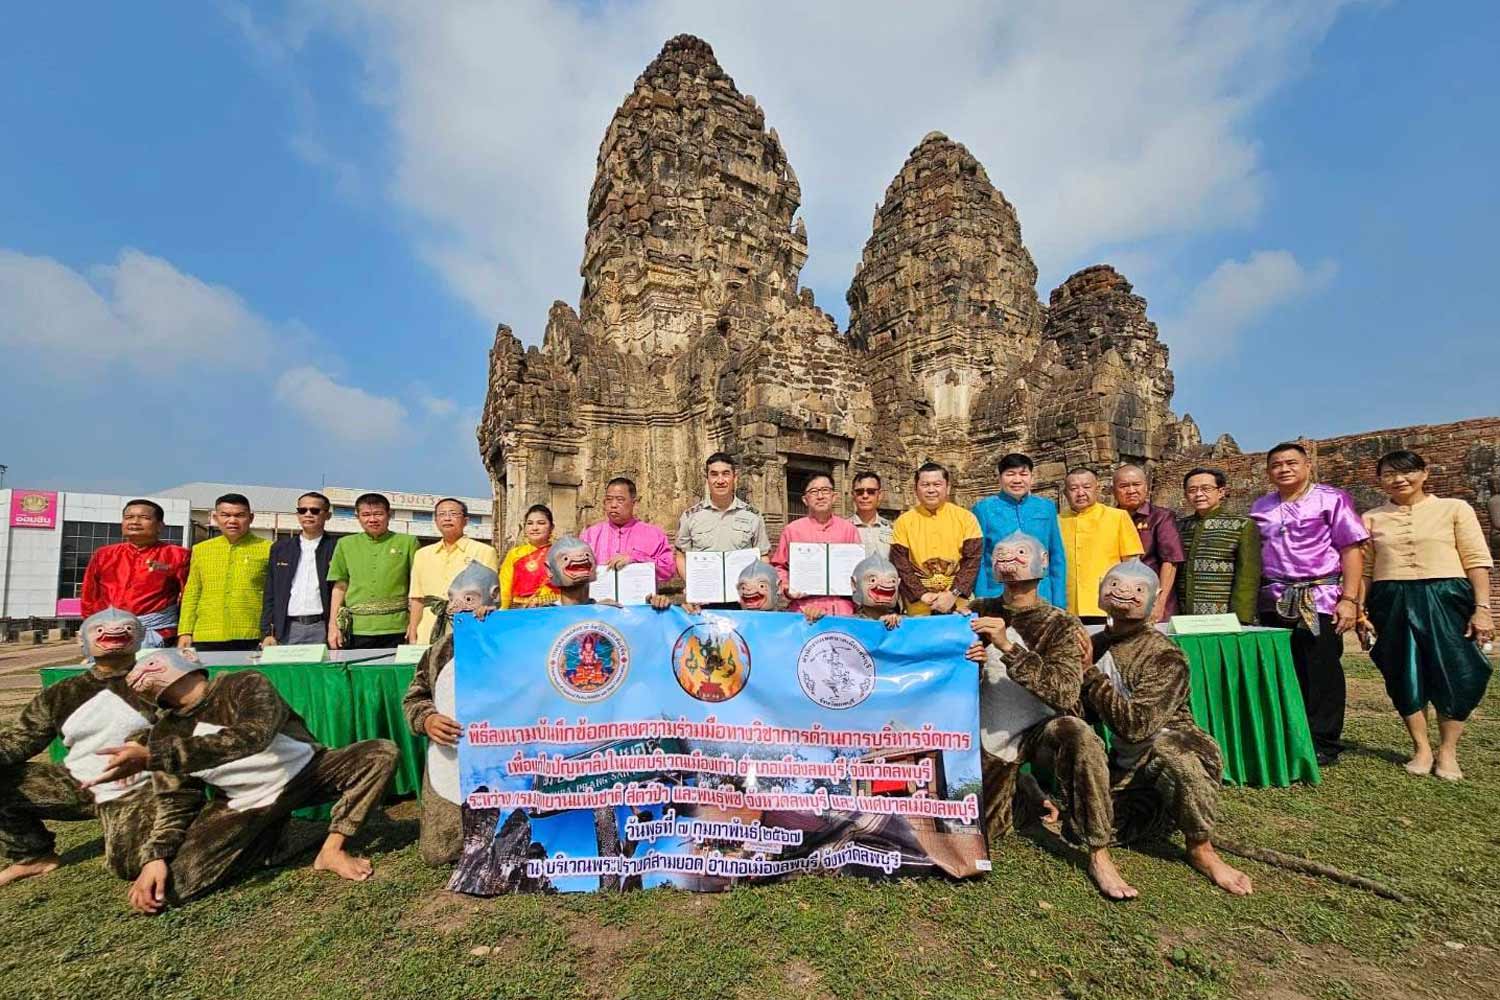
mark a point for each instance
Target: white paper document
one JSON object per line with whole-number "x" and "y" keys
{"x": 816, "y": 569}
{"x": 711, "y": 576}
{"x": 632, "y": 584}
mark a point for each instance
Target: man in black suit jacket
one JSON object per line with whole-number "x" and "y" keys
{"x": 298, "y": 594}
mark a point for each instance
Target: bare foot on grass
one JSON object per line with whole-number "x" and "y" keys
{"x": 29, "y": 869}
{"x": 1107, "y": 877}
{"x": 1420, "y": 763}
{"x": 1447, "y": 767}
{"x": 1203, "y": 857}
{"x": 343, "y": 864}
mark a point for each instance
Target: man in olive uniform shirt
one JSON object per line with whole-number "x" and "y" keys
{"x": 721, "y": 522}
{"x": 371, "y": 577}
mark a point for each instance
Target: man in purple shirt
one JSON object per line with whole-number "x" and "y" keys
{"x": 621, "y": 539}
{"x": 1311, "y": 569}
{"x": 1158, "y": 530}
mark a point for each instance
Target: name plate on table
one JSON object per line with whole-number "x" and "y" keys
{"x": 1205, "y": 624}
{"x": 411, "y": 653}
{"x": 309, "y": 653}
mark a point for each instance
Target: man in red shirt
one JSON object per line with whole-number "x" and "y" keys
{"x": 141, "y": 575}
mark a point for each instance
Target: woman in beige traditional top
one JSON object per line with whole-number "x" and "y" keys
{"x": 1429, "y": 606}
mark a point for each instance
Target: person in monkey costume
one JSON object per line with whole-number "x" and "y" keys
{"x": 1162, "y": 771}
{"x": 236, "y": 735}
{"x": 431, "y": 710}
{"x": 94, "y": 714}
{"x": 1031, "y": 667}
{"x": 876, "y": 586}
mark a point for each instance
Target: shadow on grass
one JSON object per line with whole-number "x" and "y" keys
{"x": 85, "y": 851}
{"x": 1379, "y": 753}
{"x": 1064, "y": 850}
{"x": 384, "y": 834}
{"x": 301, "y": 838}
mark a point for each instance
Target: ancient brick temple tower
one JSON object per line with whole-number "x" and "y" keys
{"x": 692, "y": 335}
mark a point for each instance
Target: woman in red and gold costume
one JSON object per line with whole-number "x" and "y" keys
{"x": 524, "y": 580}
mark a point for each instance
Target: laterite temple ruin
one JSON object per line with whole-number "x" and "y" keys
{"x": 692, "y": 335}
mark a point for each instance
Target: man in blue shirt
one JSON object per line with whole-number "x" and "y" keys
{"x": 1014, "y": 509}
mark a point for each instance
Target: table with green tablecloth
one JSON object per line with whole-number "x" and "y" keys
{"x": 1243, "y": 690}
{"x": 375, "y": 693}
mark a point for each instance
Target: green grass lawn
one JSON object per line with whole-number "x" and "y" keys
{"x": 1034, "y": 927}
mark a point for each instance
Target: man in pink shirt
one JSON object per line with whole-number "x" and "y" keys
{"x": 620, "y": 539}
{"x": 820, "y": 525}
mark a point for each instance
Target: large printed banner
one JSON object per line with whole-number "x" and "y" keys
{"x": 611, "y": 748}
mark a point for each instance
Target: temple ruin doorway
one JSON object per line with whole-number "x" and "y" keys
{"x": 799, "y": 472}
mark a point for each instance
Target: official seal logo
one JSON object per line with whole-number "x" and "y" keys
{"x": 588, "y": 661}
{"x": 711, "y": 661}
{"x": 835, "y": 670}
{"x": 34, "y": 503}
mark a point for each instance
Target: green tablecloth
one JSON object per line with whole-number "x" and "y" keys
{"x": 1244, "y": 693}
{"x": 1243, "y": 689}
{"x": 376, "y": 690}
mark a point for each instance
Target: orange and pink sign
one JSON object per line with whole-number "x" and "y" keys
{"x": 33, "y": 509}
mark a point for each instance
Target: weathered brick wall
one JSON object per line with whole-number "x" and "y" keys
{"x": 1463, "y": 461}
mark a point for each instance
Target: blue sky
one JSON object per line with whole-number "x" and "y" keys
{"x": 272, "y": 247}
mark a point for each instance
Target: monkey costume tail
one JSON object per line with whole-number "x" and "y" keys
{"x": 1278, "y": 860}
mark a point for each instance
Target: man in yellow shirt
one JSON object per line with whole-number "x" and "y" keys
{"x": 434, "y": 566}
{"x": 226, "y": 582}
{"x": 935, "y": 547}
{"x": 1095, "y": 538}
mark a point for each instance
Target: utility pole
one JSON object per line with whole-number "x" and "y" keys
{"x": 3, "y": 470}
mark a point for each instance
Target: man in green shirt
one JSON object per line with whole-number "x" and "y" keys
{"x": 370, "y": 573}
{"x": 1221, "y": 574}
{"x": 226, "y": 580}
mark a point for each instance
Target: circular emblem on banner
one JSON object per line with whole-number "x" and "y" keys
{"x": 588, "y": 661}
{"x": 34, "y": 503}
{"x": 711, "y": 661}
{"x": 835, "y": 670}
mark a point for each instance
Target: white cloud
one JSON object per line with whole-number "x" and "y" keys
{"x": 346, "y": 412}
{"x": 140, "y": 311}
{"x": 115, "y": 343}
{"x": 1237, "y": 295}
{"x": 1105, "y": 124}
{"x": 438, "y": 406}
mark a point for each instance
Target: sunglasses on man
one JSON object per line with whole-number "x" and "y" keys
{"x": 309, "y": 510}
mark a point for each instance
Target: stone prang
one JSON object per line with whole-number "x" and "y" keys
{"x": 692, "y": 334}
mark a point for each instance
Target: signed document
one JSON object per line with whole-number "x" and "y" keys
{"x": 633, "y": 584}
{"x": 820, "y": 570}
{"x": 711, "y": 576}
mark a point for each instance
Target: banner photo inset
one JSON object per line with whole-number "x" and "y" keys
{"x": 614, "y": 748}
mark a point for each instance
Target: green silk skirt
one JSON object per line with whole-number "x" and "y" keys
{"x": 1420, "y": 646}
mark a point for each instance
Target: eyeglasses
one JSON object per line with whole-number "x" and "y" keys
{"x": 1194, "y": 491}
{"x": 309, "y": 510}
{"x": 866, "y": 491}
{"x": 821, "y": 491}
